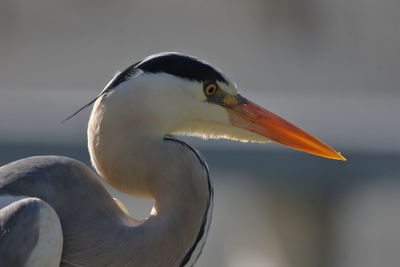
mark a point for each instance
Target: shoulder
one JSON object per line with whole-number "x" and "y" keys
{"x": 37, "y": 163}
{"x": 43, "y": 166}
{"x": 46, "y": 176}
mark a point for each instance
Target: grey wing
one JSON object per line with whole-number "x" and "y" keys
{"x": 30, "y": 234}
{"x": 73, "y": 190}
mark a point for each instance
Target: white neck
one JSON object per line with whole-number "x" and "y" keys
{"x": 136, "y": 161}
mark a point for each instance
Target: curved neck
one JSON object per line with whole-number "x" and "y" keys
{"x": 166, "y": 171}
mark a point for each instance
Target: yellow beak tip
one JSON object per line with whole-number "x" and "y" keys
{"x": 340, "y": 157}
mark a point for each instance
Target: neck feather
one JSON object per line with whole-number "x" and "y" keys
{"x": 164, "y": 170}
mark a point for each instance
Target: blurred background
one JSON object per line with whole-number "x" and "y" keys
{"x": 331, "y": 67}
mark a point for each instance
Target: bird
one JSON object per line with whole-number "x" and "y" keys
{"x": 59, "y": 213}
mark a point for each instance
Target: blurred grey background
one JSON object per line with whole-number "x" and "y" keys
{"x": 331, "y": 67}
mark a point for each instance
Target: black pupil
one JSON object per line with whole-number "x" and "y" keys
{"x": 211, "y": 89}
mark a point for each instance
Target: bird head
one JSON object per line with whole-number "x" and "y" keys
{"x": 173, "y": 93}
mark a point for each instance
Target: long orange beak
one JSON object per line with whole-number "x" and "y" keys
{"x": 248, "y": 115}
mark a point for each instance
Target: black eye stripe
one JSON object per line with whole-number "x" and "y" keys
{"x": 176, "y": 64}
{"x": 183, "y": 66}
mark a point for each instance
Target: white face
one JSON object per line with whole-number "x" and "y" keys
{"x": 161, "y": 104}
{"x": 183, "y": 107}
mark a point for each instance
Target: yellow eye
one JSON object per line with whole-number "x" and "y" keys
{"x": 210, "y": 89}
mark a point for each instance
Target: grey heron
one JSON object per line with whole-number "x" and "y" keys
{"x": 64, "y": 216}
